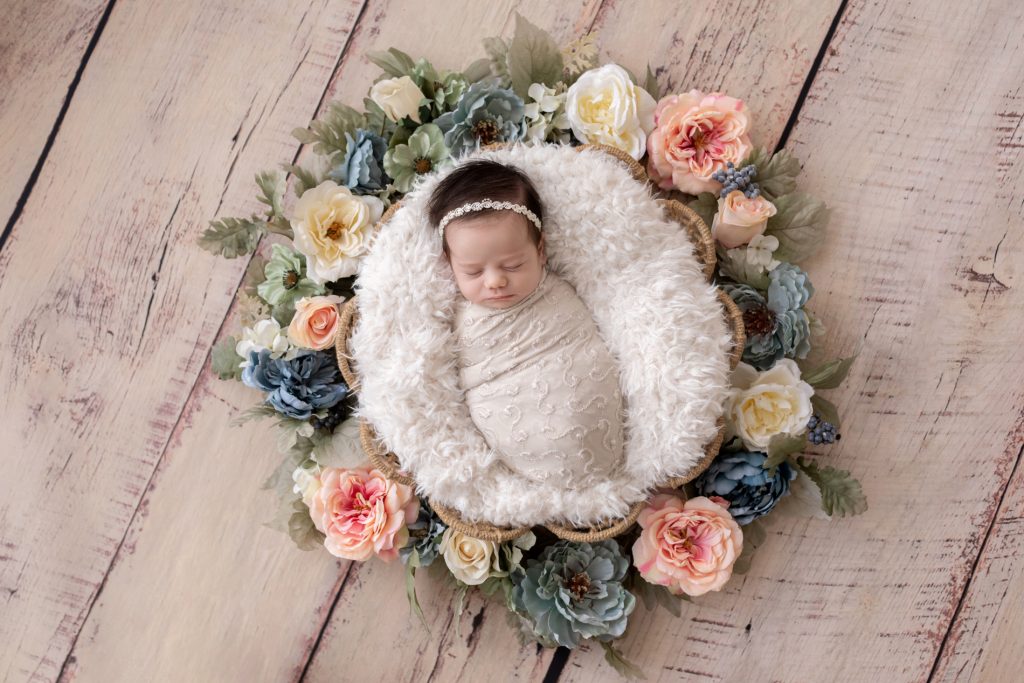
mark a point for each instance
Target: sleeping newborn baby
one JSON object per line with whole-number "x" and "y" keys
{"x": 540, "y": 383}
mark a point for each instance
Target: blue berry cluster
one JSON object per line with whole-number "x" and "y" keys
{"x": 741, "y": 179}
{"x": 819, "y": 431}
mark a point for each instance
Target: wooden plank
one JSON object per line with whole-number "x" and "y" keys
{"x": 42, "y": 46}
{"x": 910, "y": 131}
{"x": 181, "y": 104}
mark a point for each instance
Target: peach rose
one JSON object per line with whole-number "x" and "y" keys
{"x": 694, "y": 136}
{"x": 362, "y": 513}
{"x": 740, "y": 218}
{"x": 689, "y": 547}
{"x": 315, "y": 322}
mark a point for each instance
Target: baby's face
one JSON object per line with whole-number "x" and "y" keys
{"x": 495, "y": 262}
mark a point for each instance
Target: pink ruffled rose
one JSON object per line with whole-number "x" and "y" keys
{"x": 689, "y": 547}
{"x": 362, "y": 513}
{"x": 694, "y": 136}
{"x": 740, "y": 218}
{"x": 315, "y": 322}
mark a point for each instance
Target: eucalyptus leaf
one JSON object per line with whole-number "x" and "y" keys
{"x": 271, "y": 184}
{"x": 304, "y": 178}
{"x": 776, "y": 173}
{"x": 828, "y": 412}
{"x": 224, "y": 360}
{"x": 706, "y": 206}
{"x": 393, "y": 61}
{"x": 618, "y": 662}
{"x": 232, "y": 237}
{"x": 780, "y": 448}
{"x": 829, "y": 375}
{"x": 841, "y": 494}
{"x": 533, "y": 57}
{"x": 799, "y": 226}
{"x": 328, "y": 133}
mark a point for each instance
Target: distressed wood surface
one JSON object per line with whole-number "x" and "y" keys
{"x": 42, "y": 47}
{"x": 109, "y": 308}
{"x": 909, "y": 130}
{"x": 132, "y": 539}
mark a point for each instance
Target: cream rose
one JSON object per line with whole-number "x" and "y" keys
{"x": 740, "y": 218}
{"x": 764, "y": 404}
{"x": 398, "y": 97}
{"x": 332, "y": 229}
{"x": 605, "y": 107}
{"x": 469, "y": 559}
{"x": 315, "y": 322}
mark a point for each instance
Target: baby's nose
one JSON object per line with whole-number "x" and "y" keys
{"x": 496, "y": 281}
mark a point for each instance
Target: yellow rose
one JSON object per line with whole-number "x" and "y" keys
{"x": 332, "y": 229}
{"x": 764, "y": 404}
{"x": 605, "y": 107}
{"x": 470, "y": 560}
{"x": 740, "y": 219}
{"x": 398, "y": 97}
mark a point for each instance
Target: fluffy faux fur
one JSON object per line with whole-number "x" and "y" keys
{"x": 636, "y": 272}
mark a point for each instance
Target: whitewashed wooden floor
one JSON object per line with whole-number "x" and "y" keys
{"x": 130, "y": 522}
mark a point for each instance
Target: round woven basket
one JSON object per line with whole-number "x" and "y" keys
{"x": 388, "y": 463}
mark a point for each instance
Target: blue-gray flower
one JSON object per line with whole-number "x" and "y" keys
{"x": 296, "y": 387}
{"x": 574, "y": 591}
{"x": 742, "y": 480}
{"x": 485, "y": 114}
{"x": 424, "y": 536}
{"x": 789, "y": 288}
{"x": 771, "y": 334}
{"x": 362, "y": 170}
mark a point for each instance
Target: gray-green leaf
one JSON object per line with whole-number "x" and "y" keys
{"x": 780, "y": 447}
{"x": 497, "y": 51}
{"x": 776, "y": 173}
{"x": 224, "y": 360}
{"x": 626, "y": 668}
{"x": 706, "y": 206}
{"x": 478, "y": 70}
{"x": 841, "y": 494}
{"x": 232, "y": 237}
{"x": 825, "y": 409}
{"x": 393, "y": 61}
{"x": 304, "y": 178}
{"x": 651, "y": 85}
{"x": 301, "y": 528}
{"x": 327, "y": 134}
{"x": 829, "y": 375}
{"x": 533, "y": 57}
{"x": 799, "y": 226}
{"x": 271, "y": 184}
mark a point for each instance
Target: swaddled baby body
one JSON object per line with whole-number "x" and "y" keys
{"x": 539, "y": 381}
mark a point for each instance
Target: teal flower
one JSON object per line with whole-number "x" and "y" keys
{"x": 771, "y": 334}
{"x": 574, "y": 591}
{"x": 789, "y": 289}
{"x": 424, "y": 152}
{"x": 361, "y": 171}
{"x": 485, "y": 114}
{"x": 286, "y": 280}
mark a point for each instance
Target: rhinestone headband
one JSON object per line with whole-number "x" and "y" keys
{"x": 486, "y": 204}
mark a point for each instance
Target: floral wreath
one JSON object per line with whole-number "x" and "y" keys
{"x": 416, "y": 120}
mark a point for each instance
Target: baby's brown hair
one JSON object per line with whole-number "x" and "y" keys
{"x": 483, "y": 179}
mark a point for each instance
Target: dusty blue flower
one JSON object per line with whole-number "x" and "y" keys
{"x": 424, "y": 536}
{"x": 297, "y": 387}
{"x": 771, "y": 334}
{"x": 362, "y": 170}
{"x": 742, "y": 480}
{"x": 574, "y": 591}
{"x": 485, "y": 114}
{"x": 789, "y": 288}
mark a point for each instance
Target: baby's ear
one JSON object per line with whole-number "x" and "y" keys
{"x": 541, "y": 251}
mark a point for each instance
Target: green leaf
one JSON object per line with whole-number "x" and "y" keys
{"x": 841, "y": 494}
{"x": 754, "y": 536}
{"x": 279, "y": 225}
{"x": 799, "y": 226}
{"x": 255, "y": 413}
{"x": 460, "y": 606}
{"x": 829, "y": 375}
{"x": 652, "y": 87}
{"x": 497, "y": 51}
{"x": 776, "y": 173}
{"x": 271, "y": 185}
{"x": 301, "y": 528}
{"x": 706, "y": 206}
{"x": 224, "y": 360}
{"x": 533, "y": 57}
{"x": 232, "y": 237}
{"x": 393, "y": 61}
{"x": 825, "y": 408}
{"x": 618, "y": 662}
{"x": 254, "y": 275}
{"x": 280, "y": 480}
{"x": 478, "y": 70}
{"x": 304, "y": 179}
{"x": 410, "y": 588}
{"x": 780, "y": 447}
{"x": 328, "y": 133}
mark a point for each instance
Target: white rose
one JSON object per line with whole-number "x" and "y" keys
{"x": 764, "y": 404}
{"x": 398, "y": 97}
{"x": 605, "y": 107}
{"x": 332, "y": 229}
{"x": 469, "y": 559}
{"x": 266, "y": 334}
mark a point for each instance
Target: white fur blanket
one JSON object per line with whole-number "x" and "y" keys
{"x": 541, "y": 386}
{"x": 636, "y": 272}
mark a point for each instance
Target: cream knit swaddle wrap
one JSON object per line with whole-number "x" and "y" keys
{"x": 542, "y": 386}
